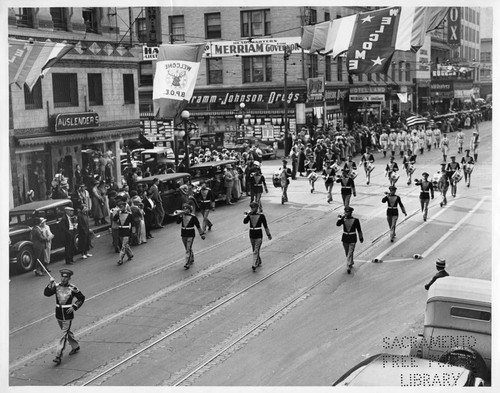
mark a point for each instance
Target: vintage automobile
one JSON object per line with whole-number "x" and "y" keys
{"x": 21, "y": 220}
{"x": 213, "y": 173}
{"x": 242, "y": 144}
{"x": 169, "y": 185}
{"x": 406, "y": 371}
{"x": 157, "y": 159}
{"x": 457, "y": 325}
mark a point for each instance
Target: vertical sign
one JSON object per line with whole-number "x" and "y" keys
{"x": 153, "y": 28}
{"x": 454, "y": 25}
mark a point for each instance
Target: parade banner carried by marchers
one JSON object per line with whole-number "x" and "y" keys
{"x": 29, "y": 61}
{"x": 175, "y": 74}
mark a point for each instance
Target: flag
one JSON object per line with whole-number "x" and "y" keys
{"x": 30, "y": 60}
{"x": 414, "y": 120}
{"x": 175, "y": 74}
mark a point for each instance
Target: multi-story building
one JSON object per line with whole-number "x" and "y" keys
{"x": 96, "y": 80}
{"x": 485, "y": 67}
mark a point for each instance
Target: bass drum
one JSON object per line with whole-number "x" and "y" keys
{"x": 468, "y": 358}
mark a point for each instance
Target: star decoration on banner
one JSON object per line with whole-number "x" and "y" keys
{"x": 378, "y": 61}
{"x": 367, "y": 19}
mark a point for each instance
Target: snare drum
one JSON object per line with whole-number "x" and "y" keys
{"x": 411, "y": 169}
{"x": 468, "y": 168}
{"x": 353, "y": 174}
{"x": 457, "y": 176}
{"x": 394, "y": 176}
{"x": 370, "y": 167}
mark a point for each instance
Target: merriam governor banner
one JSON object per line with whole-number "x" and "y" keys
{"x": 175, "y": 74}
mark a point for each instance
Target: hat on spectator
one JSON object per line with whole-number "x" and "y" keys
{"x": 348, "y": 209}
{"x": 441, "y": 263}
{"x": 425, "y": 174}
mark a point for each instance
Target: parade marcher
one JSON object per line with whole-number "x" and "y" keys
{"x": 125, "y": 221}
{"x": 65, "y": 309}
{"x": 349, "y": 239}
{"x": 468, "y": 165}
{"x": 454, "y": 175}
{"x": 437, "y": 136}
{"x": 189, "y": 222}
{"x": 440, "y": 266}
{"x": 391, "y": 171}
{"x": 367, "y": 161}
{"x": 158, "y": 209}
{"x": 39, "y": 240}
{"x": 206, "y": 201}
{"x": 444, "y": 146}
{"x": 68, "y": 228}
{"x": 285, "y": 173}
{"x": 83, "y": 230}
{"x": 384, "y": 141}
{"x": 351, "y": 166}
{"x": 421, "y": 141}
{"x": 393, "y": 201}
{"x": 348, "y": 187}
{"x": 474, "y": 144}
{"x": 429, "y": 136}
{"x": 258, "y": 184}
{"x": 393, "y": 140}
{"x": 401, "y": 137}
{"x": 312, "y": 177}
{"x": 426, "y": 193}
{"x": 301, "y": 161}
{"x": 329, "y": 177}
{"x": 443, "y": 184}
{"x": 414, "y": 140}
{"x": 409, "y": 164}
{"x": 257, "y": 221}
{"x": 460, "y": 139}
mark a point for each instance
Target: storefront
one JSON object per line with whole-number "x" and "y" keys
{"x": 441, "y": 96}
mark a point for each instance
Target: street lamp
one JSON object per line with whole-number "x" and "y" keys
{"x": 242, "y": 117}
{"x": 184, "y": 132}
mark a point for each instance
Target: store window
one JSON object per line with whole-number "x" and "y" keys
{"x": 95, "y": 89}
{"x": 214, "y": 71}
{"x": 33, "y": 98}
{"x": 59, "y": 18}
{"x": 65, "y": 90}
{"x": 24, "y": 17}
{"x": 213, "y": 26}
{"x": 255, "y": 23}
{"x": 142, "y": 32}
{"x": 145, "y": 74}
{"x": 257, "y": 69}
{"x": 176, "y": 24}
{"x": 128, "y": 89}
{"x": 90, "y": 18}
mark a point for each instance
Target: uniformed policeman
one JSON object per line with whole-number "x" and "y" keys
{"x": 349, "y": 238}
{"x": 440, "y": 266}
{"x": 393, "y": 201}
{"x": 257, "y": 221}
{"x": 65, "y": 308}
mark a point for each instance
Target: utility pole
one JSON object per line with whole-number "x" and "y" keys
{"x": 286, "y": 56}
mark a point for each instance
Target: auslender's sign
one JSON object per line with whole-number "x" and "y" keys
{"x": 76, "y": 121}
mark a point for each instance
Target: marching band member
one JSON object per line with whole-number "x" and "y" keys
{"x": 401, "y": 136}
{"x": 468, "y": 165}
{"x": 384, "y": 141}
{"x": 393, "y": 201}
{"x": 367, "y": 161}
{"x": 474, "y": 144}
{"x": 391, "y": 172}
{"x": 414, "y": 139}
{"x": 256, "y": 221}
{"x": 351, "y": 225}
{"x": 312, "y": 176}
{"x": 258, "y": 184}
{"x": 437, "y": 136}
{"x": 444, "y": 146}
{"x": 443, "y": 184}
{"x": 347, "y": 187}
{"x": 206, "y": 201}
{"x": 393, "y": 139}
{"x": 285, "y": 174}
{"x": 329, "y": 177}
{"x": 189, "y": 222}
{"x": 460, "y": 139}
{"x": 409, "y": 164}
{"x": 428, "y": 138}
{"x": 426, "y": 193}
{"x": 421, "y": 140}
{"x": 351, "y": 166}
{"x": 452, "y": 171}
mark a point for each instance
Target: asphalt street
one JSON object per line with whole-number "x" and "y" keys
{"x": 299, "y": 320}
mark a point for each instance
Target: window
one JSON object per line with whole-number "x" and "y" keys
{"x": 145, "y": 73}
{"x": 328, "y": 68}
{"x": 142, "y": 32}
{"x": 212, "y": 26}
{"x": 128, "y": 89}
{"x": 470, "y": 314}
{"x": 339, "y": 68}
{"x": 327, "y": 16}
{"x": 176, "y": 28}
{"x": 95, "y": 89}
{"x": 257, "y": 69}
{"x": 65, "y": 88}
{"x": 59, "y": 18}
{"x": 369, "y": 77}
{"x": 313, "y": 16}
{"x": 24, "y": 17}
{"x": 33, "y": 98}
{"x": 393, "y": 71}
{"x": 214, "y": 71}
{"x": 90, "y": 18}
{"x": 400, "y": 70}
{"x": 313, "y": 66}
{"x": 255, "y": 23}
{"x": 407, "y": 72}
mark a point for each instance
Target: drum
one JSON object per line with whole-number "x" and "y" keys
{"x": 370, "y": 167}
{"x": 468, "y": 168}
{"x": 313, "y": 176}
{"x": 353, "y": 174}
{"x": 457, "y": 176}
{"x": 394, "y": 176}
{"x": 411, "y": 169}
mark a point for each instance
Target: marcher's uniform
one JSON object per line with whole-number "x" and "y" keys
{"x": 189, "y": 222}
{"x": 451, "y": 168}
{"x": 125, "y": 222}
{"x": 393, "y": 201}
{"x": 409, "y": 165}
{"x": 351, "y": 227}
{"x": 460, "y": 139}
{"x": 474, "y": 145}
{"x": 384, "y": 142}
{"x": 367, "y": 161}
{"x": 258, "y": 183}
{"x": 443, "y": 185}
{"x": 429, "y": 136}
{"x": 445, "y": 146}
{"x": 65, "y": 294}
{"x": 257, "y": 221}
{"x": 426, "y": 193}
{"x": 285, "y": 173}
{"x": 468, "y": 165}
{"x": 206, "y": 201}
{"x": 329, "y": 177}
{"x": 391, "y": 172}
{"x": 347, "y": 189}
{"x": 437, "y": 137}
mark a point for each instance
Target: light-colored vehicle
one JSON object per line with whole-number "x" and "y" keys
{"x": 406, "y": 371}
{"x": 457, "y": 325}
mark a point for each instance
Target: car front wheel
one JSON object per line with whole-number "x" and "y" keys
{"x": 26, "y": 259}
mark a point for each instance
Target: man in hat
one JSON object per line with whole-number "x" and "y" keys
{"x": 468, "y": 165}
{"x": 426, "y": 192}
{"x": 189, "y": 222}
{"x": 257, "y": 221}
{"x": 347, "y": 185}
{"x": 68, "y": 227}
{"x": 125, "y": 221}
{"x": 460, "y": 139}
{"x": 258, "y": 184}
{"x": 384, "y": 141}
{"x": 65, "y": 308}
{"x": 393, "y": 201}
{"x": 443, "y": 184}
{"x": 39, "y": 241}
{"x": 391, "y": 170}
{"x": 440, "y": 266}
{"x": 444, "y": 146}
{"x": 349, "y": 238}
{"x": 155, "y": 196}
{"x": 451, "y": 168}
{"x": 285, "y": 174}
{"x": 474, "y": 144}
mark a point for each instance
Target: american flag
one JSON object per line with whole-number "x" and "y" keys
{"x": 414, "y": 120}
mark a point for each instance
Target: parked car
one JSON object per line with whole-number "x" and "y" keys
{"x": 172, "y": 198}
{"x": 157, "y": 158}
{"x": 267, "y": 150}
{"x": 457, "y": 325}
{"x": 21, "y": 221}
{"x": 406, "y": 371}
{"x": 213, "y": 173}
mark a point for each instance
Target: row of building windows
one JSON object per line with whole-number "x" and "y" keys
{"x": 471, "y": 15}
{"x": 469, "y": 53}
{"x": 25, "y": 18}
{"x": 65, "y": 91}
{"x": 470, "y": 34}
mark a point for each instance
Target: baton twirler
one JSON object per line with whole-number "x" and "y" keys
{"x": 46, "y": 271}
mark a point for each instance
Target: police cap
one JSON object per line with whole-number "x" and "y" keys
{"x": 66, "y": 273}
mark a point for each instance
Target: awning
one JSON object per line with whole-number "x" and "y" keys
{"x": 83, "y": 137}
{"x": 247, "y": 112}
